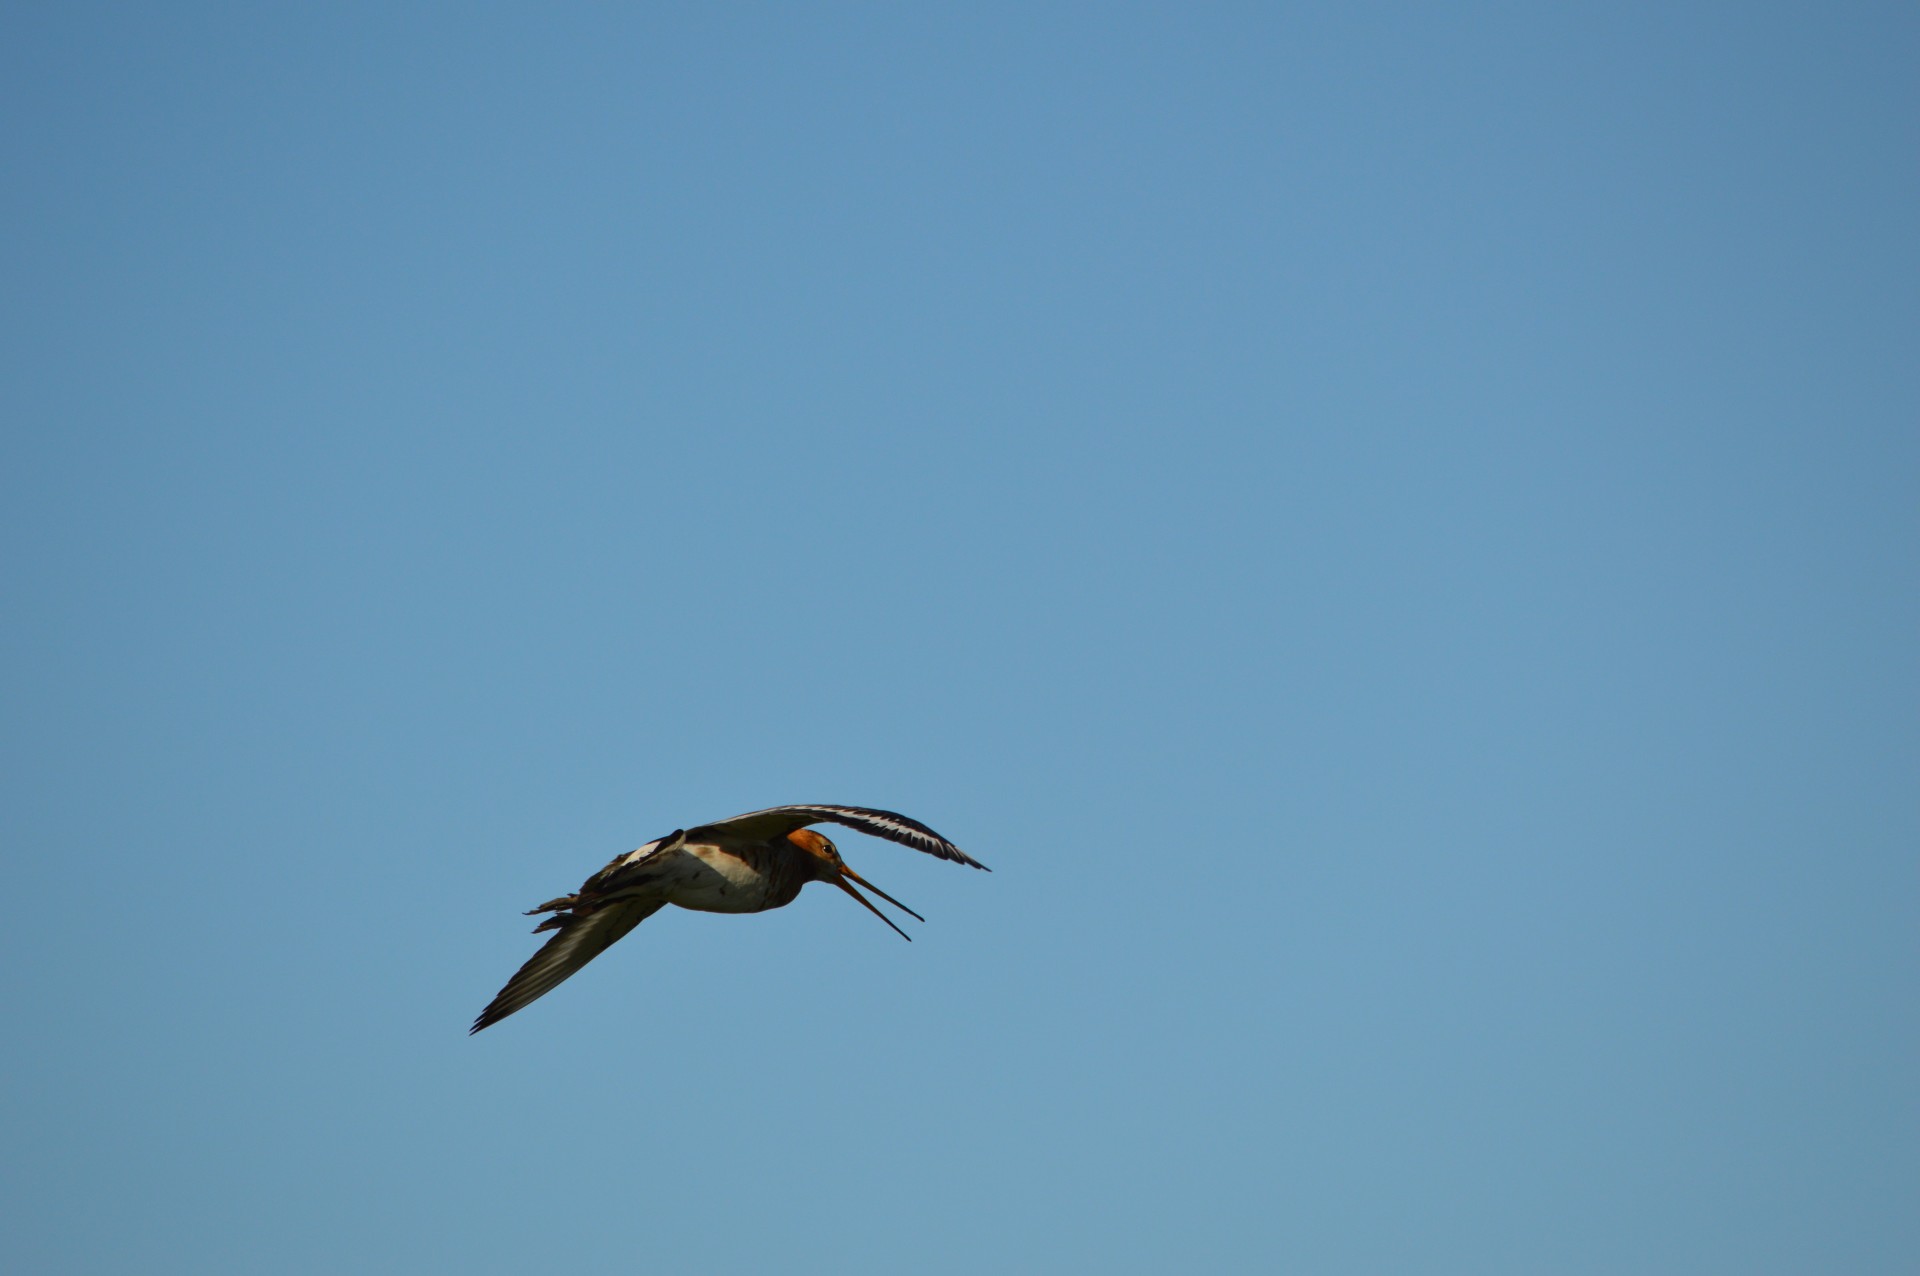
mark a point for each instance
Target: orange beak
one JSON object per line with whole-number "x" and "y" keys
{"x": 867, "y": 904}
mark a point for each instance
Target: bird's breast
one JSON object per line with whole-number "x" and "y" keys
{"x": 713, "y": 879}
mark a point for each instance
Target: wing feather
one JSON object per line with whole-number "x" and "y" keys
{"x": 777, "y": 821}
{"x": 582, "y": 937}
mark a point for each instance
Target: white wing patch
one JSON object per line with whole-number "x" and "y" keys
{"x": 635, "y": 856}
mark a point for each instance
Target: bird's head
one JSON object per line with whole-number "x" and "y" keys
{"x": 827, "y": 866}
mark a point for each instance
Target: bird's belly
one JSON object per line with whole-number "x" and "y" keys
{"x": 715, "y": 882}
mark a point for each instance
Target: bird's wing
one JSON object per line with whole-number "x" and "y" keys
{"x": 778, "y": 821}
{"x": 582, "y": 937}
{"x": 626, "y": 871}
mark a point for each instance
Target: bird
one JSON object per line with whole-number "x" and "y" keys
{"x": 746, "y": 864}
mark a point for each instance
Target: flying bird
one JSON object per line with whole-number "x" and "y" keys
{"x": 746, "y": 864}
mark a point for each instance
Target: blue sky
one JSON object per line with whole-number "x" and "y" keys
{"x": 1393, "y": 529}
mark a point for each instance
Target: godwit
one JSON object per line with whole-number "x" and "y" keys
{"x": 747, "y": 864}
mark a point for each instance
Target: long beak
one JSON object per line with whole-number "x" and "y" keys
{"x": 882, "y": 894}
{"x": 865, "y": 903}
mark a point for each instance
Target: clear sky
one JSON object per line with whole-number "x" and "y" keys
{"x": 1393, "y": 529}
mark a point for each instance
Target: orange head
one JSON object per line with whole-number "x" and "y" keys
{"x": 827, "y": 866}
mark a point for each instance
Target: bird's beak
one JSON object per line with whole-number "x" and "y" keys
{"x": 844, "y": 884}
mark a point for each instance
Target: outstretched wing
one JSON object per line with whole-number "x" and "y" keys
{"x": 778, "y": 821}
{"x": 582, "y": 937}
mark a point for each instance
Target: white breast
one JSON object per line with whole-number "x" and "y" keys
{"x": 708, "y": 880}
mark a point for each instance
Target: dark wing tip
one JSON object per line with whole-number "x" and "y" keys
{"x": 499, "y": 1008}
